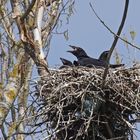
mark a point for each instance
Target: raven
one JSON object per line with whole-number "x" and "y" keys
{"x": 84, "y": 59}
{"x": 66, "y": 63}
{"x": 103, "y": 57}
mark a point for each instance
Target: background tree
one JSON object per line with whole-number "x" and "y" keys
{"x": 26, "y": 28}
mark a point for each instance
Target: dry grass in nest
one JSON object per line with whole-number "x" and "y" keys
{"x": 75, "y": 106}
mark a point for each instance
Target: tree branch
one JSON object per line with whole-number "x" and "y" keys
{"x": 28, "y": 10}
{"x": 115, "y": 41}
{"x": 114, "y": 34}
{"x": 116, "y": 37}
{"x": 3, "y": 133}
{"x": 37, "y": 28}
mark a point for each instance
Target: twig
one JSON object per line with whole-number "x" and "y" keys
{"x": 114, "y": 34}
{"x": 28, "y": 10}
{"x": 115, "y": 41}
{"x": 108, "y": 128}
{"x": 3, "y": 133}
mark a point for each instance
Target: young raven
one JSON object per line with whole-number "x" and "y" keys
{"x": 66, "y": 63}
{"x": 84, "y": 59}
{"x": 103, "y": 57}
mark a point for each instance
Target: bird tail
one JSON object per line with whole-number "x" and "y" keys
{"x": 116, "y": 65}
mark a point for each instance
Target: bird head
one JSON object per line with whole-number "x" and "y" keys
{"x": 66, "y": 62}
{"x": 78, "y": 52}
{"x": 104, "y": 55}
{"x": 75, "y": 63}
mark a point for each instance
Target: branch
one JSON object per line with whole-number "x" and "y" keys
{"x": 6, "y": 22}
{"x": 115, "y": 41}
{"x": 3, "y": 133}
{"x": 22, "y": 99}
{"x": 108, "y": 128}
{"x": 52, "y": 21}
{"x": 37, "y": 29}
{"x": 114, "y": 34}
{"x": 28, "y": 10}
{"x": 32, "y": 47}
{"x": 116, "y": 37}
{"x": 10, "y": 91}
{"x": 49, "y": 2}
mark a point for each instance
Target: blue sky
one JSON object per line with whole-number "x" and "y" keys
{"x": 86, "y": 31}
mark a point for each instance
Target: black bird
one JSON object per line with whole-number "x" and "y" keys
{"x": 84, "y": 59}
{"x": 78, "y": 52}
{"x": 75, "y": 63}
{"x": 66, "y": 63}
{"x": 103, "y": 57}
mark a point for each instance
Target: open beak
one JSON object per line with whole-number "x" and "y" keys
{"x": 62, "y": 59}
{"x": 74, "y": 49}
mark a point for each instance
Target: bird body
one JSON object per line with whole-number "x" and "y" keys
{"x": 85, "y": 60}
{"x": 104, "y": 56}
{"x": 91, "y": 62}
{"x": 66, "y": 63}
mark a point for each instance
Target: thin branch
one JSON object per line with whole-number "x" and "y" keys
{"x": 37, "y": 29}
{"x": 52, "y": 21}
{"x": 49, "y": 2}
{"x": 3, "y": 132}
{"x": 108, "y": 129}
{"x": 114, "y": 34}
{"x": 29, "y": 132}
{"x": 115, "y": 41}
{"x": 10, "y": 35}
{"x": 28, "y": 10}
{"x": 7, "y": 24}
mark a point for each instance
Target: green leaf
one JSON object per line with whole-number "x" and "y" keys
{"x": 133, "y": 34}
{"x": 66, "y": 35}
{"x": 117, "y": 57}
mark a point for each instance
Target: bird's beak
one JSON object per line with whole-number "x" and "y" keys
{"x": 62, "y": 59}
{"x": 70, "y": 51}
{"x": 74, "y": 49}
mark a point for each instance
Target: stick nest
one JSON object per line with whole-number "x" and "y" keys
{"x": 76, "y": 107}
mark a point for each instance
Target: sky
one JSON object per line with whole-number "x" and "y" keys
{"x": 86, "y": 31}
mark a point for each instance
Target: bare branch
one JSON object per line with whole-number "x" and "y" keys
{"x": 115, "y": 41}
{"x": 3, "y": 132}
{"x": 10, "y": 92}
{"x": 37, "y": 29}
{"x": 105, "y": 25}
{"x": 28, "y": 10}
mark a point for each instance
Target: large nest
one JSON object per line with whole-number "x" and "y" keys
{"x": 76, "y": 107}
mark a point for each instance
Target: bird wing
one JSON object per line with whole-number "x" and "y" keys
{"x": 91, "y": 61}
